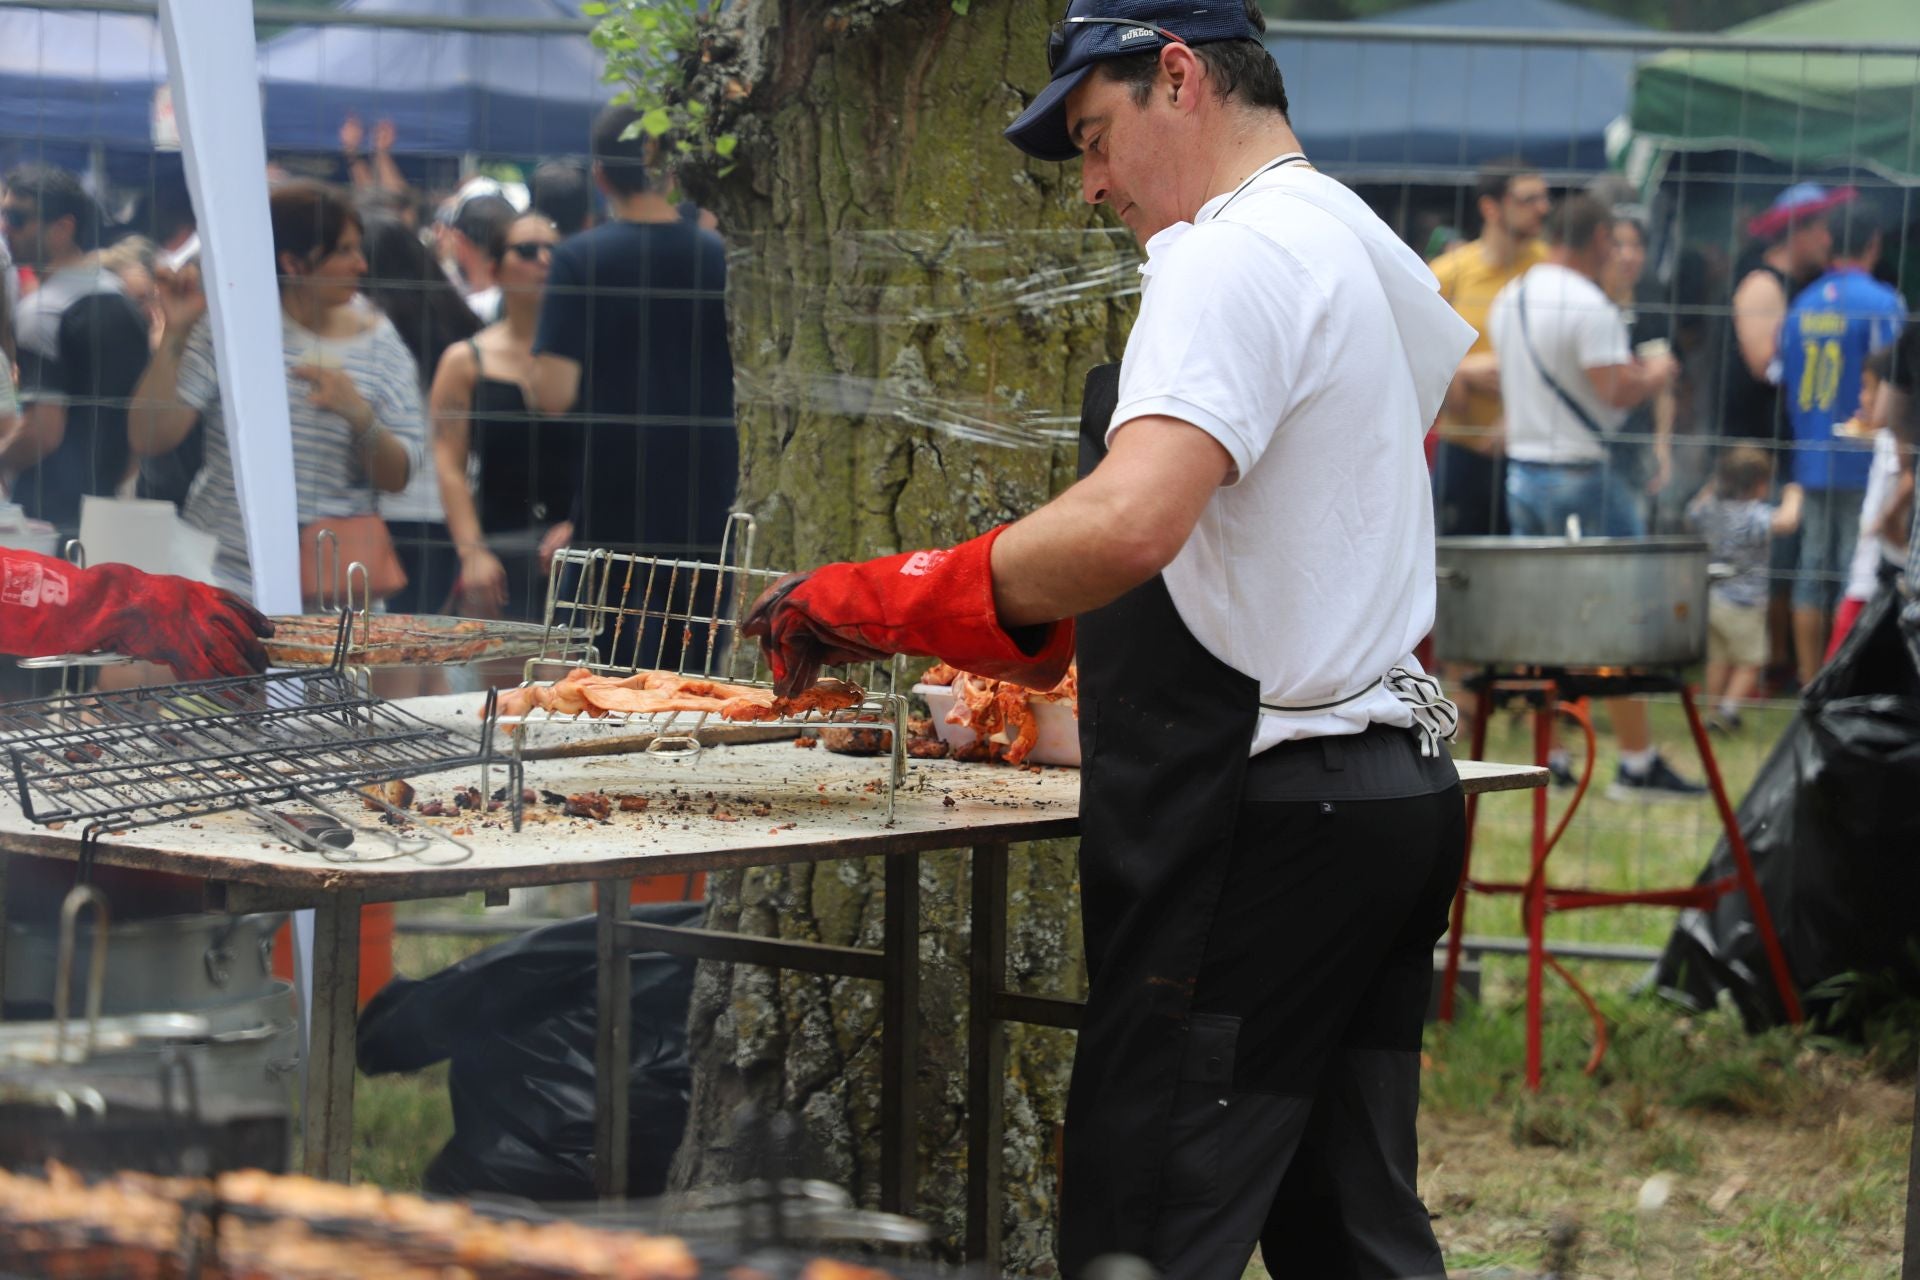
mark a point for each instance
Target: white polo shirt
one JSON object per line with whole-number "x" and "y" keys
{"x": 1290, "y": 324}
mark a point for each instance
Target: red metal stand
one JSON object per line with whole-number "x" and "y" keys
{"x": 1544, "y": 692}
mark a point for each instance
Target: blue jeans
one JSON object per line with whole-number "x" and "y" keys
{"x": 1541, "y": 495}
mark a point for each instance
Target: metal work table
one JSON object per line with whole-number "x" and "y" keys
{"x": 735, "y": 806}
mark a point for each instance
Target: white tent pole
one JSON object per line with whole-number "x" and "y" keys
{"x": 210, "y": 63}
{"x": 210, "y": 58}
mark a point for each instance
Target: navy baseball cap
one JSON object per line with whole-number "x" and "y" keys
{"x": 1095, "y": 30}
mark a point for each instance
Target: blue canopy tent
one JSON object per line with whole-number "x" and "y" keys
{"x": 1432, "y": 112}
{"x": 447, "y": 93}
{"x": 73, "y": 81}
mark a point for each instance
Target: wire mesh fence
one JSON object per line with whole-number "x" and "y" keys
{"x": 435, "y": 177}
{"x": 1759, "y": 191}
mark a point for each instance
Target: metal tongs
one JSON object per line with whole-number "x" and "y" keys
{"x": 332, "y": 834}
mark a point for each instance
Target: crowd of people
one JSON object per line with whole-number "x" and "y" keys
{"x": 1565, "y": 416}
{"x": 473, "y": 382}
{"x": 488, "y": 375}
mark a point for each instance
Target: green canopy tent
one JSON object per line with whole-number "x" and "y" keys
{"x": 1804, "y": 110}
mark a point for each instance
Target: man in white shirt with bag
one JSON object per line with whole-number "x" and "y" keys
{"x": 1568, "y": 379}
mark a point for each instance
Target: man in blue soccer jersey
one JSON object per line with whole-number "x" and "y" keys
{"x": 1832, "y": 327}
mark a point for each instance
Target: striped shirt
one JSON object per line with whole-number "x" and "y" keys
{"x": 330, "y": 479}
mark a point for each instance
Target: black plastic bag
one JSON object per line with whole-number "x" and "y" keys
{"x": 1833, "y": 824}
{"x": 517, "y": 1020}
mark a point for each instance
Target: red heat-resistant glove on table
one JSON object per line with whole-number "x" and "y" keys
{"x": 936, "y": 604}
{"x": 48, "y": 606}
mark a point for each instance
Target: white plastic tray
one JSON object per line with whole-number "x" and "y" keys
{"x": 1059, "y": 741}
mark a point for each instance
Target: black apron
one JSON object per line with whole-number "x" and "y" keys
{"x": 1259, "y": 949}
{"x": 1165, "y": 730}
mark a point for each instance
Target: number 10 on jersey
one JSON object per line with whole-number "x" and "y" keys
{"x": 1820, "y": 373}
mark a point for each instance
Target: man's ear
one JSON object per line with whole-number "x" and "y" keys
{"x": 1182, "y": 70}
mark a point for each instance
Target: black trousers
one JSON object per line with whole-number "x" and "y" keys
{"x": 1293, "y": 1122}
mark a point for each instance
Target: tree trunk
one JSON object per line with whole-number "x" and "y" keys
{"x": 914, "y": 305}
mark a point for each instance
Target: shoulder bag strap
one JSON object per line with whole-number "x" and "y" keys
{"x": 1526, "y": 333}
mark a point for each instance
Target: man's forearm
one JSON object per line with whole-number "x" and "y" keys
{"x": 1625, "y": 386}
{"x": 1480, "y": 373}
{"x": 1071, "y": 556}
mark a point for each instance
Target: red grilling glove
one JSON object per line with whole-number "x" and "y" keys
{"x": 48, "y": 606}
{"x": 936, "y": 604}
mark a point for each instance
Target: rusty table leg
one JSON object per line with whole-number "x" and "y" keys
{"x": 327, "y": 1118}
{"x": 900, "y": 1036}
{"x": 1535, "y": 903}
{"x": 986, "y": 1055}
{"x": 613, "y": 1032}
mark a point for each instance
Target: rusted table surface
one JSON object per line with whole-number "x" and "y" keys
{"x": 731, "y": 806}
{"x": 759, "y": 804}
{"x": 762, "y": 804}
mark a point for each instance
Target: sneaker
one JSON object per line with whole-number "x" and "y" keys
{"x": 1724, "y": 722}
{"x": 1560, "y": 769}
{"x": 1659, "y": 782}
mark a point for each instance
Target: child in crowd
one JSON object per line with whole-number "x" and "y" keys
{"x": 1886, "y": 511}
{"x": 1734, "y": 515}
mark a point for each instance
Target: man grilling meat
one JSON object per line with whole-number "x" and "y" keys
{"x": 49, "y": 606}
{"x": 1271, "y": 826}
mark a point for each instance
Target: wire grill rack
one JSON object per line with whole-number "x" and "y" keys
{"x": 138, "y": 757}
{"x": 347, "y": 632}
{"x": 682, "y": 616}
{"x": 414, "y": 640}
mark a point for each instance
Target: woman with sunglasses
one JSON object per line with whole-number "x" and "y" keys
{"x": 405, "y": 282}
{"x": 353, "y": 395}
{"x": 481, "y": 410}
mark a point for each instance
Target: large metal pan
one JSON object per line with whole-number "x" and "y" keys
{"x": 124, "y": 1107}
{"x": 1572, "y": 602}
{"x": 171, "y": 963}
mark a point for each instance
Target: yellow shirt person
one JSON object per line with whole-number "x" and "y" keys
{"x": 1470, "y": 282}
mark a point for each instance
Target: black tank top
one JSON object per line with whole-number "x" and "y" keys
{"x": 528, "y": 466}
{"x": 1750, "y": 407}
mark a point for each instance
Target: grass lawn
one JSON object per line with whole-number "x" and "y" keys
{"x": 1775, "y": 1156}
{"x": 1696, "y": 1150}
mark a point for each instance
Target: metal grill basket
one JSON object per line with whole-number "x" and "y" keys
{"x": 680, "y": 616}
{"x": 137, "y": 757}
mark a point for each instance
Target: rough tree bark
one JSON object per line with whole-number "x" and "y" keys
{"x": 914, "y": 306}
